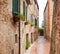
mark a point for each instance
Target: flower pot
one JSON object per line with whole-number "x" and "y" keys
{"x": 15, "y": 18}
{"x": 26, "y": 23}
{"x": 21, "y": 17}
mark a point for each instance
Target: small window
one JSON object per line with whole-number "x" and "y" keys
{"x": 27, "y": 37}
{"x": 31, "y": 17}
{"x": 12, "y": 52}
{"x": 26, "y": 13}
{"x": 16, "y": 38}
{"x": 35, "y": 22}
{"x": 31, "y": 37}
{"x": 25, "y": 10}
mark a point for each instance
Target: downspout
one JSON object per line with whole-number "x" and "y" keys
{"x": 19, "y": 27}
{"x": 19, "y": 36}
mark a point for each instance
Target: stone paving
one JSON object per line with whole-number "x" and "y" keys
{"x": 42, "y": 46}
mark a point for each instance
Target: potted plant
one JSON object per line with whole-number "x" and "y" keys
{"x": 17, "y": 17}
{"x": 27, "y": 22}
{"x": 20, "y": 16}
{"x": 27, "y": 44}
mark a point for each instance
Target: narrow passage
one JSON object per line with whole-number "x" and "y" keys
{"x": 42, "y": 46}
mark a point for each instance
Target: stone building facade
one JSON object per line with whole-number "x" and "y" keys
{"x": 46, "y": 21}
{"x": 48, "y": 15}
{"x": 10, "y": 32}
{"x": 55, "y": 41}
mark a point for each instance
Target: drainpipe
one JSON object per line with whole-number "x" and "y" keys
{"x": 19, "y": 28}
{"x": 19, "y": 36}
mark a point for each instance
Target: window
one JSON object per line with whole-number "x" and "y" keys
{"x": 31, "y": 37}
{"x": 16, "y": 6}
{"x": 26, "y": 13}
{"x": 31, "y": 17}
{"x": 27, "y": 37}
{"x": 35, "y": 22}
{"x": 12, "y": 52}
{"x": 16, "y": 38}
{"x": 24, "y": 8}
{"x": 31, "y": 1}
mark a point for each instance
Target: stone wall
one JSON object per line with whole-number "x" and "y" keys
{"x": 46, "y": 22}
{"x": 55, "y": 41}
{"x": 9, "y": 32}
{"x": 7, "y": 29}
{"x": 48, "y": 16}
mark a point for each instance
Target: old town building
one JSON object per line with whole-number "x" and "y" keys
{"x": 55, "y": 41}
{"x": 48, "y": 15}
{"x": 18, "y": 23}
{"x": 29, "y": 31}
{"x": 52, "y": 20}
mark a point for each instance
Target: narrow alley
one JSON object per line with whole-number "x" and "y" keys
{"x": 29, "y": 26}
{"x": 41, "y": 46}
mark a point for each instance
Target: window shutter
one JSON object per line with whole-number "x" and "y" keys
{"x": 24, "y": 9}
{"x": 16, "y": 6}
{"x": 26, "y": 13}
{"x": 35, "y": 22}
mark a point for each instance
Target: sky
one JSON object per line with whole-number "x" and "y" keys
{"x": 42, "y": 4}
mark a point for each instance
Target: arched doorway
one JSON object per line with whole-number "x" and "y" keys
{"x": 31, "y": 37}
{"x": 27, "y": 37}
{"x": 27, "y": 41}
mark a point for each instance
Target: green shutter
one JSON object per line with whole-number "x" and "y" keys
{"x": 26, "y": 13}
{"x": 16, "y": 6}
{"x": 24, "y": 9}
{"x": 35, "y": 22}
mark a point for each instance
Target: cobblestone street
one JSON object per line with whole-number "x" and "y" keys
{"x": 42, "y": 46}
